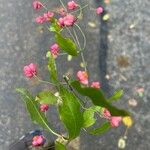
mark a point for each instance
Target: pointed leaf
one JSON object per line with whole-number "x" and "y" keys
{"x": 70, "y": 112}
{"x": 59, "y": 146}
{"x": 88, "y": 116}
{"x": 46, "y": 97}
{"x": 98, "y": 98}
{"x": 117, "y": 95}
{"x": 32, "y": 107}
{"x": 66, "y": 44}
{"x": 52, "y": 67}
{"x": 102, "y": 129}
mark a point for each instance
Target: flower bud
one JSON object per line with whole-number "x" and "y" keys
{"x": 72, "y": 5}
{"x": 44, "y": 107}
{"x": 38, "y": 140}
{"x": 95, "y": 85}
{"x": 99, "y": 10}
{"x": 36, "y": 5}
{"x": 115, "y": 121}
{"x": 82, "y": 77}
{"x": 30, "y": 70}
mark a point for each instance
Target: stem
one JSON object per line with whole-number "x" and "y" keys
{"x": 77, "y": 40}
{"x": 82, "y": 35}
{"x": 126, "y": 132}
{"x": 80, "y": 14}
{"x": 81, "y": 8}
{"x": 43, "y": 5}
{"x": 71, "y": 34}
{"x": 62, "y": 54}
{"x": 71, "y": 88}
{"x": 44, "y": 81}
{"x": 82, "y": 56}
{"x": 63, "y": 5}
{"x": 47, "y": 81}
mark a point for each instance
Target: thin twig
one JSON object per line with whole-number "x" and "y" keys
{"x": 81, "y": 8}
{"x": 84, "y": 37}
{"x": 63, "y": 5}
{"x": 82, "y": 56}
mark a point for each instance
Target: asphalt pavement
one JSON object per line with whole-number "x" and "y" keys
{"x": 117, "y": 53}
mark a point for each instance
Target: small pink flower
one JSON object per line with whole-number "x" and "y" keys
{"x": 36, "y": 5}
{"x": 38, "y": 140}
{"x": 115, "y": 121}
{"x": 82, "y": 77}
{"x": 99, "y": 10}
{"x": 95, "y": 85}
{"x": 68, "y": 20}
{"x": 106, "y": 113}
{"x": 54, "y": 50}
{"x": 44, "y": 107}
{"x": 72, "y": 5}
{"x": 30, "y": 70}
{"x": 61, "y": 22}
{"x": 62, "y": 11}
{"x": 48, "y": 15}
{"x": 40, "y": 19}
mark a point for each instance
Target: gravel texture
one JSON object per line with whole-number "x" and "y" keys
{"x": 117, "y": 48}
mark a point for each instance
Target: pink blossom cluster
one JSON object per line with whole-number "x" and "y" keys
{"x": 46, "y": 17}
{"x": 72, "y": 5}
{"x": 37, "y": 5}
{"x": 30, "y": 70}
{"x": 114, "y": 120}
{"x": 82, "y": 76}
{"x": 38, "y": 140}
{"x": 67, "y": 20}
{"x": 54, "y": 50}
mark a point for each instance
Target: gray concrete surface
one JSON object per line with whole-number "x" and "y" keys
{"x": 22, "y": 43}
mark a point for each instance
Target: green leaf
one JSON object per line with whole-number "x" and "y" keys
{"x": 102, "y": 129}
{"x": 117, "y": 95}
{"x": 98, "y": 98}
{"x": 88, "y": 116}
{"x": 66, "y": 44}
{"x": 52, "y": 67}
{"x": 46, "y": 97}
{"x": 32, "y": 107}
{"x": 70, "y": 112}
{"x": 59, "y": 146}
{"x": 54, "y": 27}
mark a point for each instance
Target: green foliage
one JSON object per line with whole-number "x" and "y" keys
{"x": 52, "y": 67}
{"x": 33, "y": 109}
{"x": 88, "y": 116}
{"x": 102, "y": 129}
{"x": 59, "y": 146}
{"x": 117, "y": 95}
{"x": 54, "y": 27}
{"x": 46, "y": 97}
{"x": 98, "y": 98}
{"x": 70, "y": 112}
{"x": 66, "y": 44}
